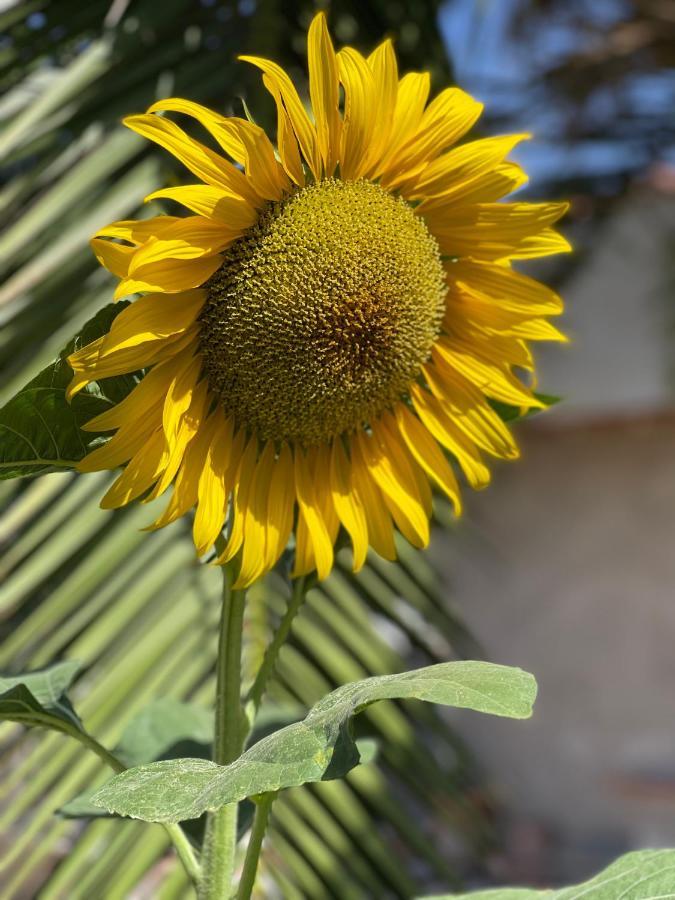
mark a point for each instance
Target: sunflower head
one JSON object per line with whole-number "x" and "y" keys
{"x": 321, "y": 315}
{"x": 324, "y": 334}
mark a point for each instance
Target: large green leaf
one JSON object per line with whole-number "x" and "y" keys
{"x": 319, "y": 748}
{"x": 39, "y": 698}
{"x": 643, "y": 875}
{"x": 164, "y": 729}
{"x": 40, "y": 431}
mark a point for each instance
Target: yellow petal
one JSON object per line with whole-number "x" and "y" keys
{"x": 113, "y": 257}
{"x": 303, "y": 562}
{"x": 465, "y": 333}
{"x": 280, "y": 507}
{"x": 246, "y": 460}
{"x": 125, "y": 443}
{"x": 483, "y": 314}
{"x": 388, "y": 429}
{"x": 169, "y": 276}
{"x": 501, "y": 285}
{"x": 445, "y": 120}
{"x": 180, "y": 392}
{"x": 154, "y": 317}
{"x": 499, "y": 349}
{"x": 310, "y": 510}
{"x": 185, "y": 431}
{"x": 83, "y": 363}
{"x": 137, "y": 231}
{"x": 382, "y": 62}
{"x": 140, "y": 473}
{"x": 441, "y": 426}
{"x": 189, "y": 238}
{"x": 255, "y": 519}
{"x": 489, "y": 231}
{"x": 148, "y": 394}
{"x": 287, "y": 142}
{"x": 525, "y": 329}
{"x": 348, "y": 503}
{"x": 184, "y": 495}
{"x": 428, "y": 454}
{"x": 411, "y": 98}
{"x": 515, "y": 218}
{"x": 304, "y": 130}
{"x": 212, "y": 491}
{"x": 359, "y": 120}
{"x": 87, "y": 365}
{"x": 263, "y": 171}
{"x": 215, "y": 124}
{"x": 202, "y": 162}
{"x": 378, "y": 520}
{"x": 394, "y": 476}
{"x": 547, "y": 243}
{"x": 211, "y": 202}
{"x": 319, "y": 461}
{"x": 486, "y": 188}
{"x": 463, "y": 164}
{"x": 467, "y": 407}
{"x": 324, "y": 91}
{"x": 493, "y": 379}
{"x": 157, "y": 252}
{"x": 269, "y": 515}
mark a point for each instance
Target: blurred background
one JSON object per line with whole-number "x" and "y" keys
{"x": 563, "y": 566}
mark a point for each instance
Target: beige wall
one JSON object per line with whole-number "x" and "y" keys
{"x": 566, "y": 567}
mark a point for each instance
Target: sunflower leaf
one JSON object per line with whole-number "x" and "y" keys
{"x": 168, "y": 729}
{"x": 643, "y": 875}
{"x": 319, "y": 748}
{"x": 163, "y": 729}
{"x": 40, "y": 431}
{"x": 38, "y": 699}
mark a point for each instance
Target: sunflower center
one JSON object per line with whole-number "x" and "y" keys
{"x": 323, "y": 312}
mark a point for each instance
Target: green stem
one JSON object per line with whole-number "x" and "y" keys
{"x": 259, "y": 686}
{"x": 178, "y": 837}
{"x": 185, "y": 853}
{"x": 92, "y": 744}
{"x": 262, "y": 812}
{"x": 220, "y": 841}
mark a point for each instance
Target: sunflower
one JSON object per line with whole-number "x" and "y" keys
{"x": 324, "y": 336}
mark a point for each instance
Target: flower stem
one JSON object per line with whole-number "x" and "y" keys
{"x": 262, "y": 812}
{"x": 220, "y": 841}
{"x": 259, "y": 686}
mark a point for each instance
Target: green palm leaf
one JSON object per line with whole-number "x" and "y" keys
{"x": 135, "y": 608}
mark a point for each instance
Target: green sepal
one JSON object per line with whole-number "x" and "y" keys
{"x": 509, "y": 413}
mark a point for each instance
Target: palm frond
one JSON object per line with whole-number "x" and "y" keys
{"x": 136, "y": 608}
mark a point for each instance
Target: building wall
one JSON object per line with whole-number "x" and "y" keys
{"x": 566, "y": 567}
